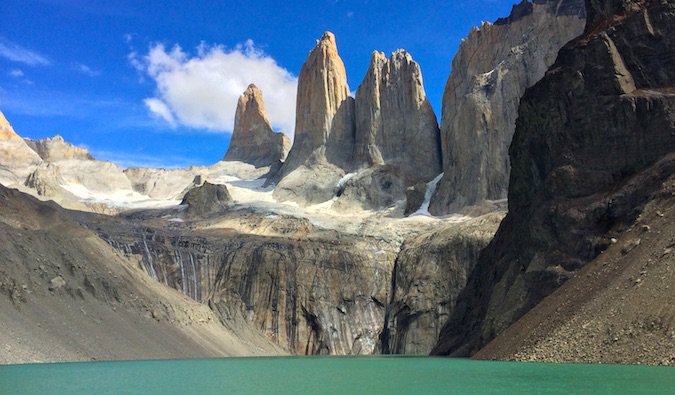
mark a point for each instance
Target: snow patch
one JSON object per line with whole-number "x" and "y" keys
{"x": 431, "y": 188}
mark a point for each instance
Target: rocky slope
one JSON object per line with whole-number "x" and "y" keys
{"x": 593, "y": 143}
{"x": 67, "y": 295}
{"x": 619, "y": 309}
{"x": 494, "y": 66}
{"x": 253, "y": 140}
{"x": 324, "y": 128}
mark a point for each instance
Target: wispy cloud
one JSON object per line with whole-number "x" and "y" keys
{"x": 16, "y": 73}
{"x": 202, "y": 90}
{"x": 16, "y": 53}
{"x": 86, "y": 70}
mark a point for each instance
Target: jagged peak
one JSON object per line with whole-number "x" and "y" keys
{"x": 6, "y": 130}
{"x": 327, "y": 40}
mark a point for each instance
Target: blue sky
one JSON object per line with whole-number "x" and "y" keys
{"x": 154, "y": 83}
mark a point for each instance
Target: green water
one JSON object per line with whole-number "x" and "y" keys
{"x": 333, "y": 375}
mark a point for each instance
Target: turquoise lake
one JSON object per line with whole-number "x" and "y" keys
{"x": 309, "y": 375}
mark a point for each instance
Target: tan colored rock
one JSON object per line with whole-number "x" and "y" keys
{"x": 253, "y": 140}
{"x": 17, "y": 160}
{"x": 56, "y": 148}
{"x": 494, "y": 66}
{"x": 395, "y": 123}
{"x": 6, "y": 130}
{"x": 324, "y": 125}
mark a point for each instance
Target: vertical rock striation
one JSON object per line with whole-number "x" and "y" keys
{"x": 395, "y": 123}
{"x": 253, "y": 140}
{"x": 324, "y": 128}
{"x": 594, "y": 139}
{"x": 494, "y": 66}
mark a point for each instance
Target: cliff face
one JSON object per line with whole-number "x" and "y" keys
{"x": 17, "y": 160}
{"x": 324, "y": 128}
{"x": 395, "y": 123}
{"x": 430, "y": 271}
{"x": 592, "y": 144}
{"x": 56, "y": 149}
{"x": 494, "y": 66}
{"x": 318, "y": 295}
{"x": 253, "y": 140}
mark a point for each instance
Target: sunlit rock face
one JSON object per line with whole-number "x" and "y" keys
{"x": 324, "y": 128}
{"x": 56, "y": 148}
{"x": 253, "y": 140}
{"x": 17, "y": 159}
{"x": 395, "y": 123}
{"x": 494, "y": 66}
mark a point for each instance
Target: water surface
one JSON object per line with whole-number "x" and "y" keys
{"x": 306, "y": 375}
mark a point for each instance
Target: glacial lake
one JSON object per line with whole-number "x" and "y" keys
{"x": 309, "y": 375}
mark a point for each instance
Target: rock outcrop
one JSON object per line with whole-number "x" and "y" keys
{"x": 429, "y": 273}
{"x": 56, "y": 149}
{"x": 253, "y": 140}
{"x": 207, "y": 199}
{"x": 17, "y": 159}
{"x": 395, "y": 123}
{"x": 494, "y": 66}
{"x": 324, "y": 129}
{"x": 593, "y": 142}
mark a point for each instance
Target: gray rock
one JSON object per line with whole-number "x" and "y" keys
{"x": 593, "y": 144}
{"x": 206, "y": 199}
{"x": 56, "y": 283}
{"x": 414, "y": 197}
{"x": 494, "y": 66}
{"x": 253, "y": 140}
{"x": 324, "y": 125}
{"x": 395, "y": 123}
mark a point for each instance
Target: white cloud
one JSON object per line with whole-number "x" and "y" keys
{"x": 202, "y": 90}
{"x": 159, "y": 109}
{"x": 16, "y": 53}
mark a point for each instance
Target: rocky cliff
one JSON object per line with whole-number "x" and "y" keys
{"x": 253, "y": 140}
{"x": 17, "y": 160}
{"x": 309, "y": 291}
{"x": 593, "y": 142}
{"x": 56, "y": 148}
{"x": 494, "y": 66}
{"x": 395, "y": 123}
{"x": 324, "y": 128}
{"x": 429, "y": 273}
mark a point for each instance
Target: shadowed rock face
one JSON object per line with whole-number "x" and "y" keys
{"x": 253, "y": 140}
{"x": 206, "y": 199}
{"x": 492, "y": 69}
{"x": 429, "y": 273}
{"x": 594, "y": 140}
{"x": 395, "y": 123}
{"x": 56, "y": 149}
